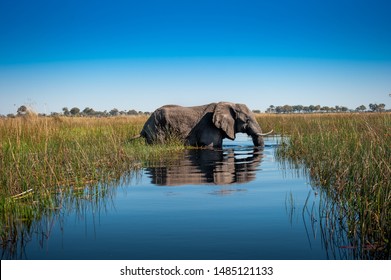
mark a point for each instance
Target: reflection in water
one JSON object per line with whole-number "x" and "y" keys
{"x": 20, "y": 231}
{"x": 207, "y": 166}
{"x": 140, "y": 221}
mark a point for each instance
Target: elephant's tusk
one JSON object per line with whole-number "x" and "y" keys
{"x": 264, "y": 134}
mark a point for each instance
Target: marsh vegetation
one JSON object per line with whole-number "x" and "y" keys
{"x": 348, "y": 158}
{"x": 45, "y": 162}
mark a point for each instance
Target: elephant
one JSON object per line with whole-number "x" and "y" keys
{"x": 207, "y": 166}
{"x": 202, "y": 126}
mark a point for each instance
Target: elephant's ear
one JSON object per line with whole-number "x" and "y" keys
{"x": 224, "y": 119}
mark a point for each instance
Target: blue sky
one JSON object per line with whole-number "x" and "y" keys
{"x": 143, "y": 54}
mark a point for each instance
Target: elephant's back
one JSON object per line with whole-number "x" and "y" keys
{"x": 178, "y": 119}
{"x": 170, "y": 106}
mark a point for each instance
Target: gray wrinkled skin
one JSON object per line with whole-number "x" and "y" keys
{"x": 201, "y": 126}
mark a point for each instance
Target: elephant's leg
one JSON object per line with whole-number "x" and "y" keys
{"x": 211, "y": 137}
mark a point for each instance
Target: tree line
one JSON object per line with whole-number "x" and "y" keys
{"x": 76, "y": 112}
{"x": 287, "y": 109}
{"x": 91, "y": 112}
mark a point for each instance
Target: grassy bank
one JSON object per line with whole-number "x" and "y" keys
{"x": 348, "y": 156}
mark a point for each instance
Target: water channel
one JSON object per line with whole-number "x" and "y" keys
{"x": 239, "y": 202}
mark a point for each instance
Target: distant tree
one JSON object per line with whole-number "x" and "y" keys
{"x": 297, "y": 108}
{"x": 88, "y": 111}
{"x": 377, "y": 107}
{"x": 278, "y": 109}
{"x": 287, "y": 109}
{"x": 361, "y": 108}
{"x": 22, "y": 111}
{"x": 132, "y": 112}
{"x": 99, "y": 114}
{"x": 271, "y": 109}
{"x": 256, "y": 111}
{"x": 114, "y": 112}
{"x": 66, "y": 111}
{"x": 344, "y": 109}
{"x": 10, "y": 116}
{"x": 75, "y": 111}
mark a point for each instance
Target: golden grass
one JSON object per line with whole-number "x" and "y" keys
{"x": 46, "y": 152}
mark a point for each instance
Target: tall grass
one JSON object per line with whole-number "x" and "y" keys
{"x": 41, "y": 158}
{"x": 349, "y": 157}
{"x": 40, "y": 153}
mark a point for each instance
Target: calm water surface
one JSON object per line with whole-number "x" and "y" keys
{"x": 234, "y": 203}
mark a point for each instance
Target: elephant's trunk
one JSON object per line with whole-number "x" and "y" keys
{"x": 258, "y": 140}
{"x": 254, "y": 130}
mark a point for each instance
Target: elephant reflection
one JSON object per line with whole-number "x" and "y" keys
{"x": 204, "y": 166}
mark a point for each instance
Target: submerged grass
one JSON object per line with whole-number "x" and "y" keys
{"x": 348, "y": 156}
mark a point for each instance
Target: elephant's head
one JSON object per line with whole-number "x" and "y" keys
{"x": 237, "y": 118}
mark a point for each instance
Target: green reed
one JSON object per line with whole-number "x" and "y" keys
{"x": 40, "y": 153}
{"x": 349, "y": 157}
{"x": 41, "y": 158}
